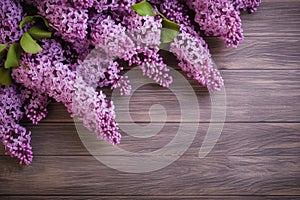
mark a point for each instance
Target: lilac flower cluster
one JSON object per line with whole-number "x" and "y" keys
{"x": 17, "y": 101}
{"x": 69, "y": 21}
{"x": 221, "y": 17}
{"x": 11, "y": 13}
{"x": 190, "y": 48}
{"x": 15, "y": 138}
{"x": 36, "y": 105}
{"x": 195, "y": 60}
{"x": 218, "y": 18}
{"x": 50, "y": 75}
{"x": 82, "y": 4}
{"x": 90, "y": 39}
{"x": 98, "y": 71}
{"x": 138, "y": 44}
{"x": 250, "y": 5}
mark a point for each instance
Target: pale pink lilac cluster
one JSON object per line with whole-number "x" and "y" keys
{"x": 221, "y": 17}
{"x": 93, "y": 41}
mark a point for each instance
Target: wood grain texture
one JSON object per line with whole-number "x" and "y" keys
{"x": 236, "y": 139}
{"x": 151, "y": 197}
{"x": 273, "y": 18}
{"x": 84, "y": 175}
{"x": 279, "y": 53}
{"x": 256, "y": 156}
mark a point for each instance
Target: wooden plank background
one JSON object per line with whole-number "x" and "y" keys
{"x": 256, "y": 157}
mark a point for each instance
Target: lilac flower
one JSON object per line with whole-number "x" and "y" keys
{"x": 82, "y": 4}
{"x": 110, "y": 37}
{"x": 35, "y": 105}
{"x": 123, "y": 11}
{"x": 95, "y": 111}
{"x": 190, "y": 49}
{"x": 14, "y": 137}
{"x": 174, "y": 10}
{"x": 195, "y": 59}
{"x": 250, "y": 5}
{"x": 11, "y": 13}
{"x": 145, "y": 32}
{"x": 50, "y": 75}
{"x": 104, "y": 5}
{"x": 136, "y": 44}
{"x": 97, "y": 70}
{"x": 69, "y": 22}
{"x": 218, "y": 18}
{"x": 152, "y": 65}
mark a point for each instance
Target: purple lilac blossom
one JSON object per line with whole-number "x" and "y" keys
{"x": 69, "y": 22}
{"x": 249, "y": 5}
{"x": 145, "y": 32}
{"x": 49, "y": 74}
{"x": 196, "y": 61}
{"x": 35, "y": 105}
{"x": 218, "y": 18}
{"x": 190, "y": 48}
{"x": 104, "y": 5}
{"x": 123, "y": 13}
{"x": 97, "y": 70}
{"x": 82, "y": 4}
{"x": 136, "y": 43}
{"x": 96, "y": 112}
{"x": 15, "y": 138}
{"x": 11, "y": 13}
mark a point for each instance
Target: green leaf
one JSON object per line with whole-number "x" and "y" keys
{"x": 169, "y": 31}
{"x": 2, "y": 50}
{"x": 29, "y": 45}
{"x": 2, "y": 47}
{"x": 13, "y": 56}
{"x": 168, "y": 35}
{"x": 26, "y": 20}
{"x": 31, "y": 18}
{"x": 38, "y": 33}
{"x": 143, "y": 8}
{"x": 5, "y": 77}
{"x": 170, "y": 25}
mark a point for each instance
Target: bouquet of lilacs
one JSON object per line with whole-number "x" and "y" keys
{"x": 47, "y": 52}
